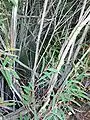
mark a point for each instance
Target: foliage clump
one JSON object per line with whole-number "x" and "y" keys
{"x": 44, "y": 58}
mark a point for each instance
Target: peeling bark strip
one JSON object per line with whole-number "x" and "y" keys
{"x": 13, "y": 41}
{"x": 13, "y": 26}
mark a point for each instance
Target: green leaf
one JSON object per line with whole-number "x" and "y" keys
{"x": 26, "y": 97}
{"x": 84, "y": 96}
{"x": 48, "y": 75}
{"x": 8, "y": 77}
{"x": 15, "y": 74}
{"x": 75, "y": 102}
{"x": 26, "y": 92}
{"x": 26, "y": 88}
{"x": 43, "y": 65}
{"x": 77, "y": 82}
{"x": 42, "y": 83}
{"x": 5, "y": 61}
{"x": 54, "y": 100}
{"x": 80, "y": 77}
{"x": 59, "y": 114}
{"x": 21, "y": 116}
{"x": 50, "y": 117}
{"x": 63, "y": 98}
{"x": 26, "y": 117}
{"x": 9, "y": 104}
{"x": 74, "y": 94}
{"x": 31, "y": 85}
{"x": 71, "y": 109}
{"x": 52, "y": 70}
{"x": 25, "y": 102}
{"x": 43, "y": 77}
